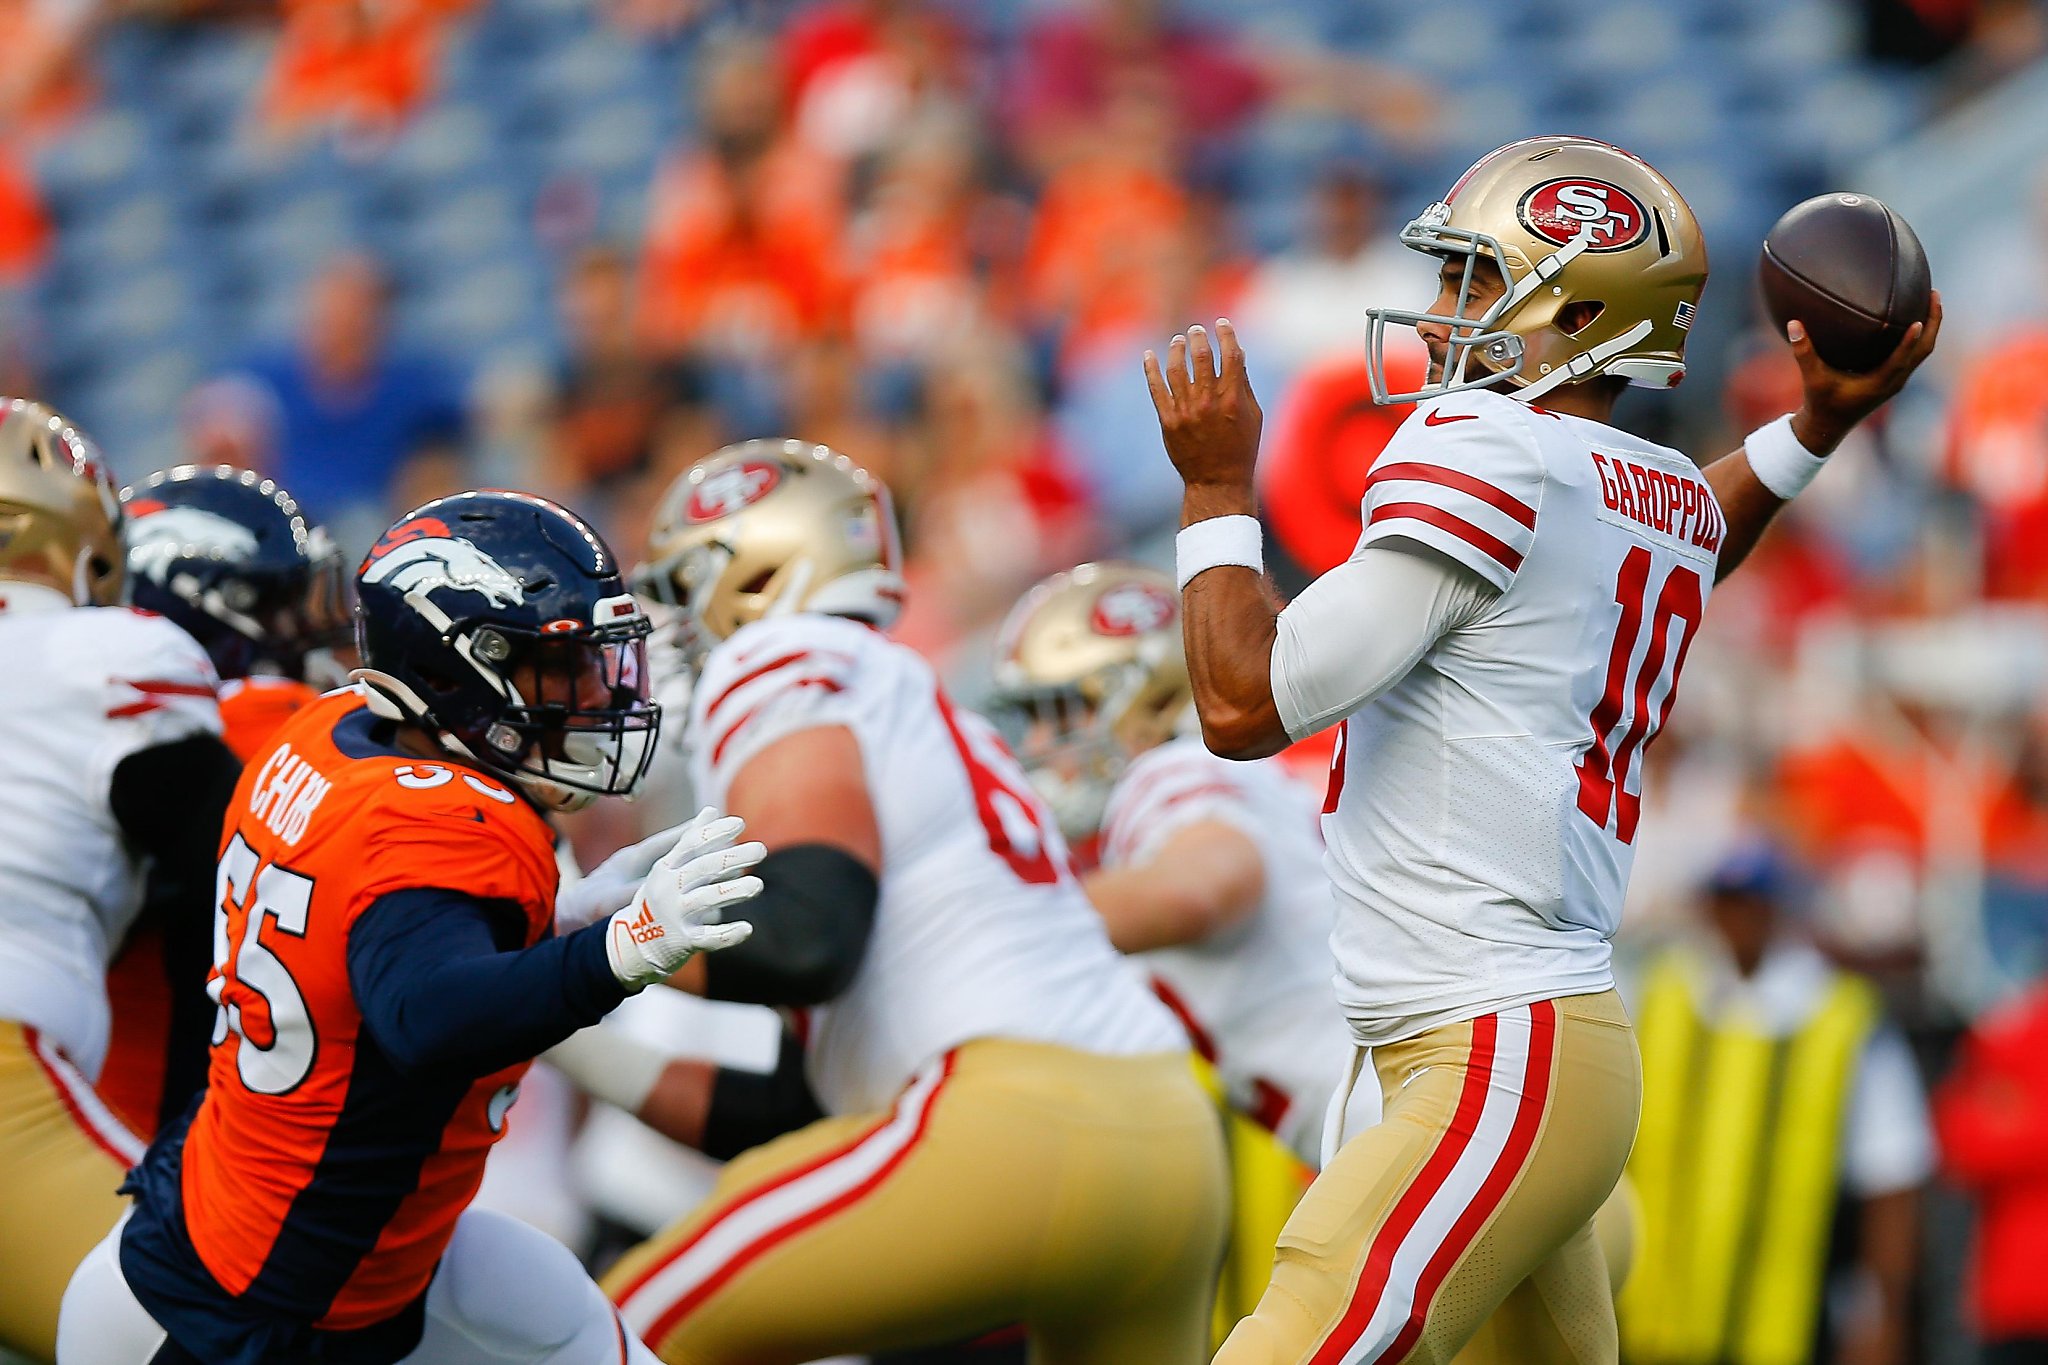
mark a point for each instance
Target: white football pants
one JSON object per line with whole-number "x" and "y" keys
{"x": 505, "y": 1294}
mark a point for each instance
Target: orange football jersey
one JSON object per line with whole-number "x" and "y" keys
{"x": 132, "y": 1081}
{"x": 315, "y": 1177}
{"x": 251, "y": 710}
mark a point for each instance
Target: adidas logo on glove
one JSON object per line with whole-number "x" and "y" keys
{"x": 647, "y": 928}
{"x": 680, "y": 910}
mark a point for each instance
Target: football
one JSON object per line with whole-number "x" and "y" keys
{"x": 1852, "y": 271}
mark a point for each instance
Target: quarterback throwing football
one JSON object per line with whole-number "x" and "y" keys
{"x": 1500, "y": 649}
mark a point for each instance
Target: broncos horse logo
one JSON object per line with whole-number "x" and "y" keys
{"x": 159, "y": 536}
{"x": 424, "y": 563}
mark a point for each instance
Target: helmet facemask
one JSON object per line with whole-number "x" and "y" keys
{"x": 1504, "y": 352}
{"x": 575, "y": 723}
{"x": 1069, "y": 750}
{"x": 578, "y": 719}
{"x": 680, "y": 587}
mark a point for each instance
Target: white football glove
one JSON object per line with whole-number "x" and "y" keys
{"x": 613, "y": 882}
{"x": 681, "y": 904}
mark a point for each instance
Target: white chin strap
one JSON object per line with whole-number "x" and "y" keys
{"x": 1583, "y": 365}
{"x": 81, "y": 578}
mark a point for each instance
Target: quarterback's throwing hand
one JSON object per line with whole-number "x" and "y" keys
{"x": 1209, "y": 418}
{"x": 1836, "y": 400}
{"x": 680, "y": 909}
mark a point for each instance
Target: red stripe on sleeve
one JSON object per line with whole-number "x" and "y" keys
{"x": 1459, "y": 480}
{"x": 1134, "y": 822}
{"x": 718, "y": 749}
{"x": 159, "y": 687}
{"x": 1502, "y": 553}
{"x": 750, "y": 675}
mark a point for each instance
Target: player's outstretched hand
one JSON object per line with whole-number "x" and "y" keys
{"x": 682, "y": 902}
{"x": 1836, "y": 400}
{"x": 1208, "y": 417}
{"x": 613, "y": 882}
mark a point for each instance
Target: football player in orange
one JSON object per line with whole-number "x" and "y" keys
{"x": 236, "y": 561}
{"x": 110, "y": 763}
{"x": 229, "y": 556}
{"x": 1500, "y": 649}
{"x": 1015, "y": 1133}
{"x": 387, "y": 964}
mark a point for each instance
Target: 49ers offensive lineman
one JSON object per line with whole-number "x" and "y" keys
{"x": 1015, "y": 1132}
{"x": 112, "y": 774}
{"x": 1501, "y": 648}
{"x": 386, "y": 966}
{"x": 1209, "y": 871}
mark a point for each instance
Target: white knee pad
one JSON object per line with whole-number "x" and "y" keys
{"x": 508, "y": 1293}
{"x": 100, "y": 1322}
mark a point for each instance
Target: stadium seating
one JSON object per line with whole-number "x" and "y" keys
{"x": 186, "y": 235}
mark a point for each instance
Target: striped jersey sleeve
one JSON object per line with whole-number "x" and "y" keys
{"x": 1463, "y": 476}
{"x": 1165, "y": 791}
{"x": 155, "y": 684}
{"x": 765, "y": 686}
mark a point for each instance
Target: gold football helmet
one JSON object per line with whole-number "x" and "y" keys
{"x": 60, "y": 514}
{"x": 1089, "y": 673}
{"x": 1568, "y": 220}
{"x": 765, "y": 528}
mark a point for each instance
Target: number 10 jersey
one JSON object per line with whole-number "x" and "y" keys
{"x": 981, "y": 930}
{"x": 1482, "y": 812}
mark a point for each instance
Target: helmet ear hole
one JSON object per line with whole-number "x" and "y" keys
{"x": 438, "y": 682}
{"x": 1577, "y": 316}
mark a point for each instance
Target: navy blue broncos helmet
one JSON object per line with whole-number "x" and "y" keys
{"x": 229, "y": 556}
{"x": 499, "y": 623}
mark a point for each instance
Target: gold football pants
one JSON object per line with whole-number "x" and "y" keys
{"x": 1083, "y": 1196}
{"x": 1462, "y": 1225}
{"x": 62, "y": 1154}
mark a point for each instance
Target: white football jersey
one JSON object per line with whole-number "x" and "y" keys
{"x": 1255, "y": 998}
{"x": 1482, "y": 812}
{"x": 981, "y": 930}
{"x": 84, "y": 687}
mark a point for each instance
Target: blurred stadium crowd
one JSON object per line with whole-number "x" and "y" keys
{"x": 386, "y": 248}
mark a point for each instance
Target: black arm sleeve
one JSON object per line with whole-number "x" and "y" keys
{"x": 811, "y": 926}
{"x": 171, "y": 802}
{"x": 749, "y": 1108}
{"x": 442, "y": 983}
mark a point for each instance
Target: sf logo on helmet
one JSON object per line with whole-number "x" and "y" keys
{"x": 1132, "y": 609}
{"x": 723, "y": 492}
{"x": 423, "y": 563}
{"x": 1559, "y": 210}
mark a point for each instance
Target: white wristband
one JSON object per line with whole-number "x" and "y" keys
{"x": 1777, "y": 459}
{"x": 1218, "y": 541}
